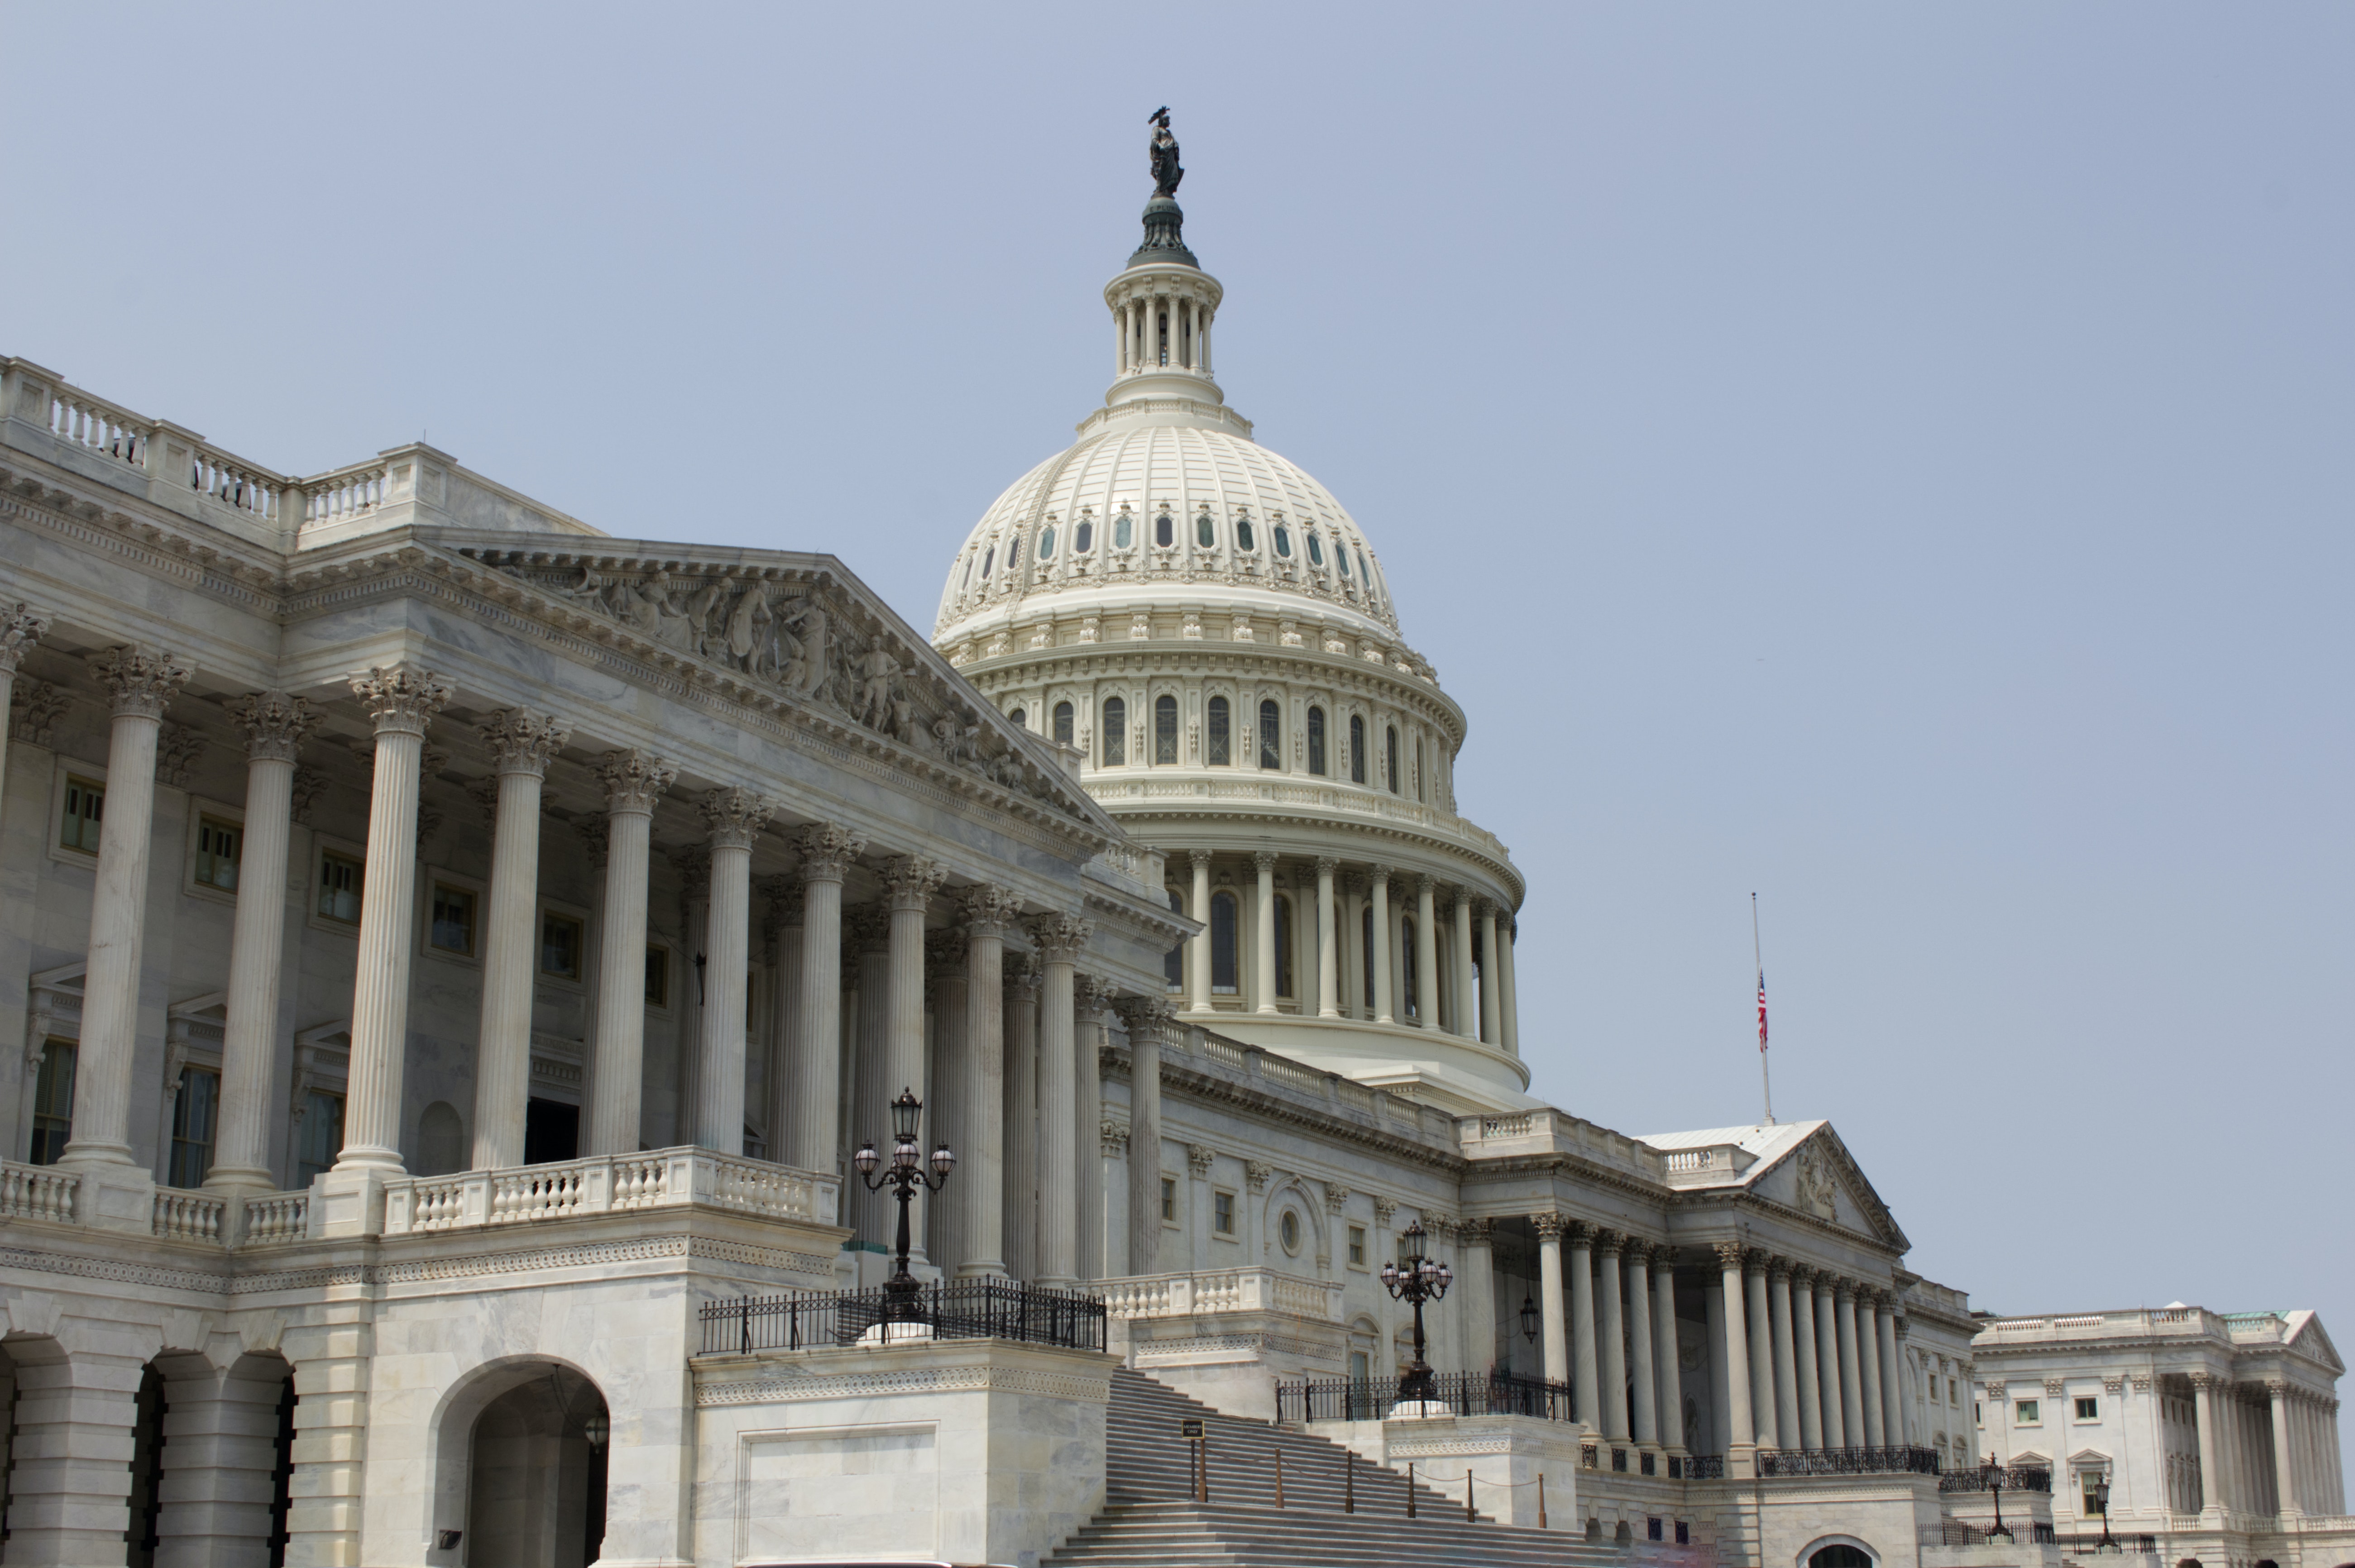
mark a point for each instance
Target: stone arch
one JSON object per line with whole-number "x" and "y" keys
{"x": 537, "y": 1407}
{"x": 240, "y": 1413}
{"x": 1316, "y": 1241}
{"x": 1838, "y": 1551}
{"x": 2187, "y": 1562}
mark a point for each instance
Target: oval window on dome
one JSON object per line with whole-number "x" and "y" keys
{"x": 1282, "y": 542}
{"x": 988, "y": 561}
{"x": 1341, "y": 555}
{"x": 1206, "y": 532}
{"x": 970, "y": 562}
{"x": 1124, "y": 532}
{"x": 1047, "y": 542}
{"x": 1244, "y": 538}
{"x": 1083, "y": 536}
{"x": 1315, "y": 550}
{"x": 1367, "y": 576}
{"x": 1165, "y": 531}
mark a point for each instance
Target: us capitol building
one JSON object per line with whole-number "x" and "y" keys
{"x": 460, "y": 964}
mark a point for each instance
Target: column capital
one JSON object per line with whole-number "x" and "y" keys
{"x": 1551, "y": 1224}
{"x": 989, "y": 910}
{"x": 1385, "y": 1209}
{"x": 1337, "y": 1198}
{"x": 1148, "y": 1017}
{"x": 1023, "y": 981}
{"x": 1609, "y": 1243}
{"x": 1060, "y": 938}
{"x": 1581, "y": 1235}
{"x": 1199, "y": 1158}
{"x": 1779, "y": 1268}
{"x": 1357, "y": 884}
{"x": 1090, "y": 993}
{"x": 1200, "y": 857}
{"x": 1328, "y": 864}
{"x": 142, "y": 684}
{"x": 1642, "y": 1249}
{"x": 944, "y": 953}
{"x": 826, "y": 851}
{"x": 865, "y": 928}
{"x": 1803, "y": 1276}
{"x": 1112, "y": 1137}
{"x": 2055, "y": 1387}
{"x": 1380, "y": 875}
{"x": 1846, "y": 1290}
{"x": 735, "y": 815}
{"x": 596, "y": 838}
{"x": 20, "y": 628}
{"x": 910, "y": 882}
{"x": 1257, "y": 1175}
{"x": 634, "y": 780}
{"x": 1756, "y": 1261}
{"x": 1904, "y": 1326}
{"x": 1466, "y": 900}
{"x": 1426, "y": 887}
{"x": 485, "y": 793}
{"x": 1729, "y": 1254}
{"x": 1478, "y": 1232}
{"x": 402, "y": 698}
{"x": 274, "y": 724}
{"x": 521, "y": 742}
{"x": 1264, "y": 860}
{"x": 2278, "y": 1388}
{"x": 783, "y": 896}
{"x": 1486, "y": 908}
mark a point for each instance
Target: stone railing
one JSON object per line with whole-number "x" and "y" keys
{"x": 37, "y": 1192}
{"x": 2171, "y": 1322}
{"x": 49, "y": 1193}
{"x": 1519, "y": 1134}
{"x": 1216, "y": 1291}
{"x": 663, "y": 1178}
{"x": 1705, "y": 1166}
{"x": 277, "y": 1217}
{"x": 191, "y": 1216}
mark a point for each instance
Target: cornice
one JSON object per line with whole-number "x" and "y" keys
{"x": 1305, "y": 666}
{"x": 1153, "y": 822}
{"x": 1179, "y": 1076}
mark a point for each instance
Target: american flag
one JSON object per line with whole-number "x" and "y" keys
{"x": 1762, "y": 1012}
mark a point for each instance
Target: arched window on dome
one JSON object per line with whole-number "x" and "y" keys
{"x": 988, "y": 561}
{"x": 1282, "y": 542}
{"x": 1221, "y": 752}
{"x": 1164, "y": 730}
{"x": 1421, "y": 783}
{"x": 1283, "y": 929}
{"x": 1316, "y": 549}
{"x": 1356, "y": 748}
{"x": 1364, "y": 575}
{"x": 1222, "y": 945}
{"x": 1124, "y": 531}
{"x": 1062, "y": 723}
{"x": 1083, "y": 538}
{"x": 1317, "y": 740}
{"x": 1020, "y": 718}
{"x": 1365, "y": 951}
{"x": 1389, "y": 746}
{"x": 1115, "y": 731}
{"x": 1173, "y": 962}
{"x": 1244, "y": 538}
{"x": 1164, "y": 530}
{"x": 1270, "y": 734}
{"x": 1047, "y": 542}
{"x": 1341, "y": 557}
{"x": 1406, "y": 966}
{"x": 1206, "y": 532}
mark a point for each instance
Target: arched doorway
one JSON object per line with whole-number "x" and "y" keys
{"x": 536, "y": 1471}
{"x": 1840, "y": 1555}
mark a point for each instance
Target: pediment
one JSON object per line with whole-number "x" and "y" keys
{"x": 1819, "y": 1178}
{"x": 2311, "y": 1341}
{"x": 795, "y": 630}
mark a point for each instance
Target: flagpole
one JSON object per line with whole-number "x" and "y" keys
{"x": 1766, "y": 1083}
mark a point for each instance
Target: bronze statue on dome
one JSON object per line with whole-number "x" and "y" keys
{"x": 1163, "y": 150}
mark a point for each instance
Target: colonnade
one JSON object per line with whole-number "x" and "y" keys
{"x": 1800, "y": 1358}
{"x": 1454, "y": 989}
{"x": 2265, "y": 1447}
{"x": 1137, "y": 329}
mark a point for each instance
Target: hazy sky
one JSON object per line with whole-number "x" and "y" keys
{"x": 1891, "y": 458}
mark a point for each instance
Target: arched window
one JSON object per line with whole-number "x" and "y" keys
{"x": 1047, "y": 542}
{"x": 1317, "y": 740}
{"x": 1341, "y": 556}
{"x": 1362, "y": 572}
{"x": 1356, "y": 748}
{"x": 1840, "y": 1555}
{"x": 1165, "y": 532}
{"x": 1115, "y": 732}
{"x": 1206, "y": 532}
{"x": 1270, "y": 735}
{"x": 1062, "y": 723}
{"x": 1222, "y": 943}
{"x": 1406, "y": 966}
{"x": 1315, "y": 550}
{"x": 1366, "y": 955}
{"x": 1283, "y": 946}
{"x": 1422, "y": 788}
{"x": 988, "y": 560}
{"x": 1244, "y": 538}
{"x": 1084, "y": 537}
{"x": 970, "y": 562}
{"x": 1282, "y": 542}
{"x": 1162, "y": 317}
{"x": 1124, "y": 531}
{"x": 1173, "y": 962}
{"x": 1164, "y": 730}
{"x": 1222, "y": 734}
{"x": 1020, "y": 718}
{"x": 1389, "y": 745}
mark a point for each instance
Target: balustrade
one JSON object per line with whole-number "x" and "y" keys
{"x": 604, "y": 1183}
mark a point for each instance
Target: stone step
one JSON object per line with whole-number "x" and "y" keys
{"x": 1187, "y": 1535}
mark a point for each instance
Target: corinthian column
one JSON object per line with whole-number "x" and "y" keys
{"x": 19, "y": 630}
{"x": 1382, "y": 1005}
{"x": 1510, "y": 1033}
{"x": 520, "y": 745}
{"x": 1328, "y": 953}
{"x": 1666, "y": 1353}
{"x": 1611, "y": 1383}
{"x": 1087, "y": 1123}
{"x": 1467, "y": 987}
{"x": 1022, "y": 1129}
{"x": 1640, "y": 1344}
{"x": 1788, "y": 1430}
{"x": 400, "y": 699}
{"x": 908, "y": 883}
{"x": 1491, "y": 1023}
{"x": 1061, "y": 939}
{"x": 982, "y": 1091}
{"x": 633, "y": 782}
{"x": 1803, "y": 1345}
{"x": 142, "y": 684}
{"x": 1554, "y": 1343}
{"x": 815, "y": 1079}
{"x": 1426, "y": 952}
{"x": 1741, "y": 1433}
{"x": 1264, "y": 944}
{"x": 1586, "y": 1373}
{"x": 1200, "y": 989}
{"x": 1146, "y": 1018}
{"x": 736, "y": 817}
{"x": 274, "y": 724}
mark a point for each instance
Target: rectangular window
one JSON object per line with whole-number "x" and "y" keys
{"x": 2024, "y": 1413}
{"x": 219, "y": 846}
{"x": 196, "y": 1114}
{"x": 1222, "y": 1213}
{"x": 453, "y": 928}
{"x": 339, "y": 888}
{"x": 560, "y": 946}
{"x": 1221, "y": 740}
{"x": 1357, "y": 750}
{"x": 1357, "y": 1246}
{"x": 2089, "y": 1409}
{"x": 657, "y": 976}
{"x": 85, "y": 806}
{"x": 1169, "y": 1200}
{"x": 53, "y": 1103}
{"x": 322, "y": 1136}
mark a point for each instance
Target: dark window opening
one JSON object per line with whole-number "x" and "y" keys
{"x": 1173, "y": 962}
{"x": 1222, "y": 945}
{"x": 551, "y": 1132}
{"x": 1317, "y": 740}
{"x": 1357, "y": 750}
{"x": 1115, "y": 731}
{"x": 1062, "y": 723}
{"x": 1164, "y": 730}
{"x": 1270, "y": 735}
{"x": 1221, "y": 733}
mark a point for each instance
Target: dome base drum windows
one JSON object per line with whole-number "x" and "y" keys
{"x": 1115, "y": 732}
{"x": 1221, "y": 738}
{"x": 1062, "y": 722}
{"x": 1165, "y": 731}
{"x": 1391, "y": 748}
{"x": 1316, "y": 742}
{"x": 1356, "y": 749}
{"x": 1270, "y": 735}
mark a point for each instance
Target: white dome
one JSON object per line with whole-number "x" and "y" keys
{"x": 1278, "y": 540}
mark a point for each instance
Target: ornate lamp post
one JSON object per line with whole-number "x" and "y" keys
{"x": 1418, "y": 1281}
{"x": 2101, "y": 1506}
{"x": 902, "y": 1295}
{"x": 1994, "y": 1486}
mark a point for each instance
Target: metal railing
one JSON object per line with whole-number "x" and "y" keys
{"x": 1848, "y": 1462}
{"x": 1986, "y": 1477}
{"x": 967, "y": 1309}
{"x": 1697, "y": 1468}
{"x": 1466, "y": 1394}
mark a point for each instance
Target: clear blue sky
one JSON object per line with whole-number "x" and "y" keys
{"x": 1891, "y": 458}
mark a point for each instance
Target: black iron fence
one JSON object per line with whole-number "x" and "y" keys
{"x": 1848, "y": 1462}
{"x": 967, "y": 1309}
{"x": 1987, "y": 1477}
{"x": 1466, "y": 1394}
{"x": 1697, "y": 1468}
